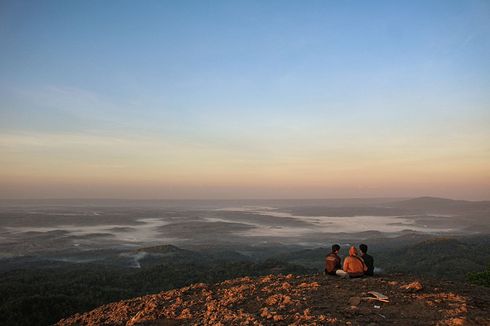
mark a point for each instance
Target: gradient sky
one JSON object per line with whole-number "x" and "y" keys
{"x": 244, "y": 99}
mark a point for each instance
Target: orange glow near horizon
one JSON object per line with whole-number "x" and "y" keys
{"x": 64, "y": 167}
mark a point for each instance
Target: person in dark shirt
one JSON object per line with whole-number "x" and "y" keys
{"x": 332, "y": 263}
{"x": 368, "y": 260}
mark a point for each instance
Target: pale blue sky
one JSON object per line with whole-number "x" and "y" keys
{"x": 263, "y": 82}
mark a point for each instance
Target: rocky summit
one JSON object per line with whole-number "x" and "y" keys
{"x": 302, "y": 300}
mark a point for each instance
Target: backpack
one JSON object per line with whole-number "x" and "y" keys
{"x": 331, "y": 263}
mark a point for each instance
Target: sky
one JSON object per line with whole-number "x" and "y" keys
{"x": 244, "y": 99}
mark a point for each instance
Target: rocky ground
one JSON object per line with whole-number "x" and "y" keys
{"x": 301, "y": 300}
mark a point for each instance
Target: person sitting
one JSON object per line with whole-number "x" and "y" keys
{"x": 332, "y": 263}
{"x": 368, "y": 260}
{"x": 354, "y": 266}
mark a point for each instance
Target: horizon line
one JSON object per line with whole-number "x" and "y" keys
{"x": 236, "y": 199}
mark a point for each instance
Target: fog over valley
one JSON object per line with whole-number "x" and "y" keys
{"x": 70, "y": 231}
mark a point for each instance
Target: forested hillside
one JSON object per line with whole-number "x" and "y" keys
{"x": 47, "y": 294}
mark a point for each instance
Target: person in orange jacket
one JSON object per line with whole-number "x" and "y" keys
{"x": 353, "y": 264}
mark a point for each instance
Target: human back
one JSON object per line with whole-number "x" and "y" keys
{"x": 353, "y": 264}
{"x": 368, "y": 259}
{"x": 332, "y": 261}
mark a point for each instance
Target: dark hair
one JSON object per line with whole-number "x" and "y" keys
{"x": 363, "y": 247}
{"x": 335, "y": 247}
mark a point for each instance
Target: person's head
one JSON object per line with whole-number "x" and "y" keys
{"x": 352, "y": 251}
{"x": 363, "y": 248}
{"x": 335, "y": 248}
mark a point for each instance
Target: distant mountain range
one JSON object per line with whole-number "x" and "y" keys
{"x": 168, "y": 203}
{"x": 441, "y": 204}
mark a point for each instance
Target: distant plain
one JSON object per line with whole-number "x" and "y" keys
{"x": 68, "y": 229}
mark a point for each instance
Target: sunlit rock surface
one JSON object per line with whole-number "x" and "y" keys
{"x": 301, "y": 300}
